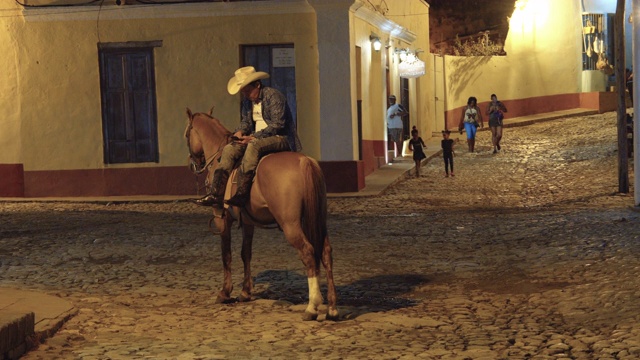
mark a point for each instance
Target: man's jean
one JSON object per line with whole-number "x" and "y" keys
{"x": 252, "y": 152}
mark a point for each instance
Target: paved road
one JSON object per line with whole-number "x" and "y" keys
{"x": 528, "y": 253}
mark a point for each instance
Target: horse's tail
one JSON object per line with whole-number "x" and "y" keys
{"x": 314, "y": 208}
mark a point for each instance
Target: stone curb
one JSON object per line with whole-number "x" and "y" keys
{"x": 16, "y": 332}
{"x": 27, "y": 318}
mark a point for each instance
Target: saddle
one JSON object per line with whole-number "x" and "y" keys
{"x": 232, "y": 185}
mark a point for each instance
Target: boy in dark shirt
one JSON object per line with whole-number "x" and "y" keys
{"x": 447, "y": 152}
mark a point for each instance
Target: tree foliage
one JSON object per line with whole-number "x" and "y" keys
{"x": 482, "y": 45}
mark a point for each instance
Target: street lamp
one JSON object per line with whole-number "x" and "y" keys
{"x": 375, "y": 40}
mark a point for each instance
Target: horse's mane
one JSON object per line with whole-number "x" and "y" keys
{"x": 212, "y": 121}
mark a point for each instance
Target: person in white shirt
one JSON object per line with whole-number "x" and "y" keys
{"x": 395, "y": 125}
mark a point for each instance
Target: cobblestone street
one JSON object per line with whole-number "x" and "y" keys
{"x": 525, "y": 254}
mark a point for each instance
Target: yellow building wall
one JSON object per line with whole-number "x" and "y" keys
{"x": 414, "y": 17}
{"x": 52, "y": 102}
{"x": 373, "y": 87}
{"x": 10, "y": 133}
{"x": 543, "y": 58}
{"x": 59, "y": 86}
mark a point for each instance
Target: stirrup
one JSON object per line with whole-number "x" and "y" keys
{"x": 208, "y": 200}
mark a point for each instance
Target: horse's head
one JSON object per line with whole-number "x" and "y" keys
{"x": 197, "y": 160}
{"x": 205, "y": 138}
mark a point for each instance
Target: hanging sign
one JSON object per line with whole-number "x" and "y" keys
{"x": 412, "y": 69}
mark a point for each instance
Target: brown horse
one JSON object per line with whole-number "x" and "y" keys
{"x": 288, "y": 191}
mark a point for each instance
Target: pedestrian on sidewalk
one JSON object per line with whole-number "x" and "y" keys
{"x": 496, "y": 112}
{"x": 471, "y": 120}
{"x": 395, "y": 124}
{"x": 447, "y": 152}
{"x": 417, "y": 146}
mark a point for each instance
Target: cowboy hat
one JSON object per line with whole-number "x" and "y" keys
{"x": 244, "y": 76}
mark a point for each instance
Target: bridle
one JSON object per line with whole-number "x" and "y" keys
{"x": 197, "y": 162}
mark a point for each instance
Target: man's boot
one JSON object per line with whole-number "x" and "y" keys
{"x": 244, "y": 190}
{"x": 218, "y": 185}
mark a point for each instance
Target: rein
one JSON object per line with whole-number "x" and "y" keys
{"x": 197, "y": 170}
{"x": 205, "y": 163}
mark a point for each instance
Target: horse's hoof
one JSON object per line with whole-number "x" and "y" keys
{"x": 244, "y": 298}
{"x": 224, "y": 300}
{"x": 333, "y": 315}
{"x": 309, "y": 316}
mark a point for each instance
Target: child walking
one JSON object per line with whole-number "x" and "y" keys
{"x": 447, "y": 152}
{"x": 417, "y": 146}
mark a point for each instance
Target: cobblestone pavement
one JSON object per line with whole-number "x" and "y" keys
{"x": 528, "y": 253}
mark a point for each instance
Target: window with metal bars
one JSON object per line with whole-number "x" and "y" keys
{"x": 597, "y": 40}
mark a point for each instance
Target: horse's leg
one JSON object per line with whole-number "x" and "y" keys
{"x": 327, "y": 262}
{"x": 298, "y": 240}
{"x": 224, "y": 226}
{"x": 247, "y": 242}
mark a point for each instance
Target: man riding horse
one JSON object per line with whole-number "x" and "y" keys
{"x": 266, "y": 126}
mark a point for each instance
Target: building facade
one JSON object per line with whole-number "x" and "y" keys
{"x": 94, "y": 94}
{"x": 559, "y": 55}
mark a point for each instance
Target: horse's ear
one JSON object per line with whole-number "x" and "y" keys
{"x": 189, "y": 113}
{"x": 211, "y": 110}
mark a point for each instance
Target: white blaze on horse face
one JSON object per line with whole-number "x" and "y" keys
{"x": 315, "y": 297}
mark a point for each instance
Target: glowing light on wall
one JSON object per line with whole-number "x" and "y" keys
{"x": 529, "y": 25}
{"x": 529, "y": 15}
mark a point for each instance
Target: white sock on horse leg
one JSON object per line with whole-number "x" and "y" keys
{"x": 315, "y": 297}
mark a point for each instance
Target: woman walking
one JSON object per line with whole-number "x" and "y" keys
{"x": 471, "y": 119}
{"x": 496, "y": 112}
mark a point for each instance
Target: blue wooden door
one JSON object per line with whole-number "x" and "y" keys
{"x": 128, "y": 105}
{"x": 270, "y": 59}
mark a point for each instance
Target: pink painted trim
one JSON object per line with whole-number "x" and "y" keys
{"x": 601, "y": 101}
{"x": 11, "y": 180}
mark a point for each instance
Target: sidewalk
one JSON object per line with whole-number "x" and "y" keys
{"x": 387, "y": 175}
{"x": 27, "y": 317}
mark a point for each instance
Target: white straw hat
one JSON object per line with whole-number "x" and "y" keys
{"x": 244, "y": 76}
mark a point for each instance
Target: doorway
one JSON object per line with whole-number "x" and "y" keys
{"x": 404, "y": 101}
{"x": 127, "y": 87}
{"x": 279, "y": 62}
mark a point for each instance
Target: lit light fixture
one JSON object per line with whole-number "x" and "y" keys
{"x": 402, "y": 54}
{"x": 375, "y": 40}
{"x": 410, "y": 66}
{"x": 411, "y": 70}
